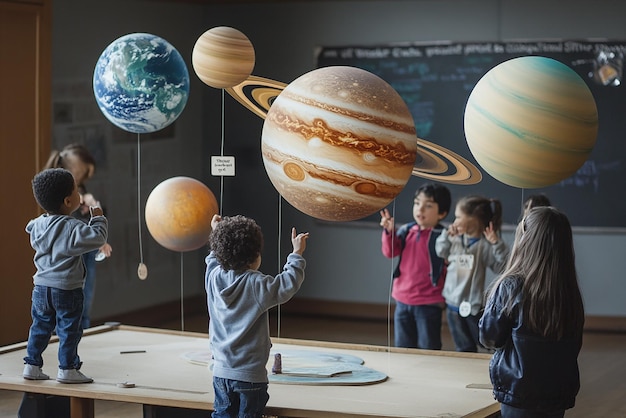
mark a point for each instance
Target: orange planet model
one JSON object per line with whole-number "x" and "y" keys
{"x": 178, "y": 213}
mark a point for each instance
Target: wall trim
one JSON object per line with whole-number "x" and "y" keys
{"x": 196, "y": 305}
{"x": 154, "y": 316}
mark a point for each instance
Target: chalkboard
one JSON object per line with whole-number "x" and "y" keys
{"x": 436, "y": 79}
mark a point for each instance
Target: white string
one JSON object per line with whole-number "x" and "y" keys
{"x": 139, "y": 196}
{"x": 222, "y": 154}
{"x": 393, "y": 236}
{"x": 280, "y": 216}
{"x": 182, "y": 295}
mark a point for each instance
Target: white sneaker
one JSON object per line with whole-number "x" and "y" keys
{"x": 72, "y": 376}
{"x": 32, "y": 372}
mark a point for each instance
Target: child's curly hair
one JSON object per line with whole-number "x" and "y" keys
{"x": 51, "y": 187}
{"x": 236, "y": 242}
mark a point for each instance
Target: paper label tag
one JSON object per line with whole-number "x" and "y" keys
{"x": 465, "y": 309}
{"x": 466, "y": 261}
{"x": 142, "y": 271}
{"x": 222, "y": 165}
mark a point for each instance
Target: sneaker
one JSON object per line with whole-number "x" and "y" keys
{"x": 72, "y": 376}
{"x": 32, "y": 372}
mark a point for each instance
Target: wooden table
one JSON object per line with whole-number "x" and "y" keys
{"x": 420, "y": 384}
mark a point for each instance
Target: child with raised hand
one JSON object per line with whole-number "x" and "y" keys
{"x": 471, "y": 244}
{"x": 59, "y": 241}
{"x": 420, "y": 273}
{"x": 534, "y": 320}
{"x": 239, "y": 297}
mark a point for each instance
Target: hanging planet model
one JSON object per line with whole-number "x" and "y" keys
{"x": 338, "y": 143}
{"x": 141, "y": 83}
{"x": 179, "y": 212}
{"x": 531, "y": 122}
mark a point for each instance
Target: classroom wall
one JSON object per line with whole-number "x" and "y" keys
{"x": 344, "y": 260}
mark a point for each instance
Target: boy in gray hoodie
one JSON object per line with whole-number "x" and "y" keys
{"x": 238, "y": 298}
{"x": 59, "y": 240}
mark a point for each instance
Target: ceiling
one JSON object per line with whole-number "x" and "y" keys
{"x": 240, "y": 1}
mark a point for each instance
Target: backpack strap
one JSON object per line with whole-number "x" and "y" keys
{"x": 402, "y": 233}
{"x": 436, "y": 263}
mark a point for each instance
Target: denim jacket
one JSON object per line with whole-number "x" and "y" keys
{"x": 527, "y": 370}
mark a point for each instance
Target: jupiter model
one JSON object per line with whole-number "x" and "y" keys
{"x": 339, "y": 143}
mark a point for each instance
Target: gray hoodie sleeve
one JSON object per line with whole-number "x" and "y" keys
{"x": 498, "y": 256}
{"x": 88, "y": 237}
{"x": 443, "y": 244}
{"x": 59, "y": 242}
{"x": 279, "y": 289}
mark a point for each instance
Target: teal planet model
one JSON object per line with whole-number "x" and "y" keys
{"x": 531, "y": 122}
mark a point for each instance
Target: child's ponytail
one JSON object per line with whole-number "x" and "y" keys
{"x": 496, "y": 210}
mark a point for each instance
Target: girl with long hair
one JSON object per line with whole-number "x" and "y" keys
{"x": 534, "y": 320}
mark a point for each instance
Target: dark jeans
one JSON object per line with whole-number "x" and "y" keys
{"x": 464, "y": 331}
{"x": 507, "y": 411}
{"x": 234, "y": 398}
{"x": 55, "y": 308}
{"x": 89, "y": 259}
{"x": 417, "y": 326}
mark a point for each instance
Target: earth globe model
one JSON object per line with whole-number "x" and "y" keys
{"x": 531, "y": 122}
{"x": 141, "y": 83}
{"x": 339, "y": 143}
{"x": 179, "y": 212}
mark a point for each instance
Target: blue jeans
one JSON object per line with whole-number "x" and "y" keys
{"x": 89, "y": 260}
{"x": 55, "y": 308}
{"x": 234, "y": 398}
{"x": 417, "y": 326}
{"x": 507, "y": 411}
{"x": 464, "y": 331}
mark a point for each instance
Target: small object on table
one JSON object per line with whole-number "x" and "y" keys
{"x": 277, "y": 368}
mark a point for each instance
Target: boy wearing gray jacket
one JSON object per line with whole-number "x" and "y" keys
{"x": 239, "y": 297}
{"x": 59, "y": 240}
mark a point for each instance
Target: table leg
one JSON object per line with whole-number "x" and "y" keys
{"x": 155, "y": 411}
{"x": 81, "y": 408}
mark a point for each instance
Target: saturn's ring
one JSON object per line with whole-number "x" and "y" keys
{"x": 433, "y": 162}
{"x": 257, "y": 93}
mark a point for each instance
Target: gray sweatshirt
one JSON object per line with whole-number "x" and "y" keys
{"x": 468, "y": 282}
{"x": 238, "y": 305}
{"x": 59, "y": 241}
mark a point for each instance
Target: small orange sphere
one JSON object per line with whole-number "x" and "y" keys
{"x": 178, "y": 213}
{"x": 223, "y": 57}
